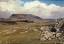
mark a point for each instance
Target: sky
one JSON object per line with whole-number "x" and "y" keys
{"x": 42, "y": 8}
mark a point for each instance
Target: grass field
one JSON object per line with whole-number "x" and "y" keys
{"x": 22, "y": 33}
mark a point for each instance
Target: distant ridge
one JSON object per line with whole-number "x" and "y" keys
{"x": 22, "y": 17}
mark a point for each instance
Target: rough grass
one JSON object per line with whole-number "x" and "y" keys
{"x": 26, "y": 33}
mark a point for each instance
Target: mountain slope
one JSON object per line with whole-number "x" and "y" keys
{"x": 24, "y": 17}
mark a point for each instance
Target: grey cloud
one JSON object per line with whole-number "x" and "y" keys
{"x": 57, "y": 14}
{"x": 4, "y": 0}
{"x": 4, "y": 14}
{"x": 36, "y": 8}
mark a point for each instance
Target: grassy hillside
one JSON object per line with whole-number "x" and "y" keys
{"x": 21, "y": 33}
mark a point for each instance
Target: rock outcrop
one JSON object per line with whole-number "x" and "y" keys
{"x": 54, "y": 32}
{"x": 46, "y": 34}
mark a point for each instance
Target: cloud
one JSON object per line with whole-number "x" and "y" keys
{"x": 8, "y": 6}
{"x": 43, "y": 10}
{"x": 3, "y": 0}
{"x": 4, "y": 14}
{"x": 34, "y": 7}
